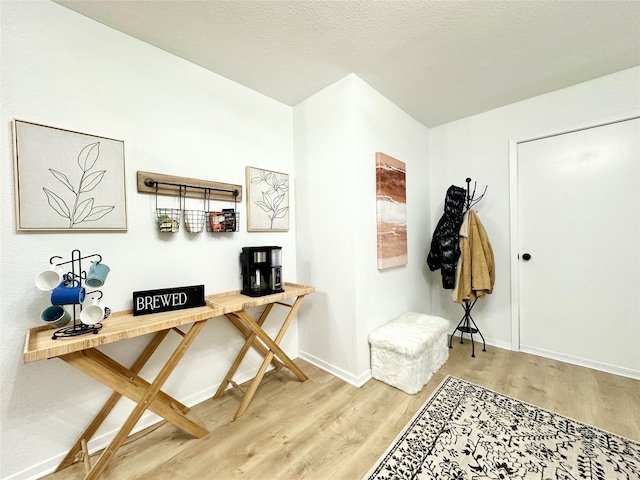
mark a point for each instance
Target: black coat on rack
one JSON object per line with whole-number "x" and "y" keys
{"x": 445, "y": 245}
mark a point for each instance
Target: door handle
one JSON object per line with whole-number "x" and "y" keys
{"x": 526, "y": 257}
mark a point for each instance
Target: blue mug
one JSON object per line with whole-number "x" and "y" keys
{"x": 68, "y": 293}
{"x": 97, "y": 274}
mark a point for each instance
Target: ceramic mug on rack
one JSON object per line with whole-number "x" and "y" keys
{"x": 55, "y": 315}
{"x": 49, "y": 279}
{"x": 67, "y": 293}
{"x": 94, "y": 313}
{"x": 97, "y": 275}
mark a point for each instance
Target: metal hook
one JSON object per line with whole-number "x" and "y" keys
{"x": 148, "y": 179}
{"x": 51, "y": 260}
{"x": 205, "y": 202}
{"x": 471, "y": 196}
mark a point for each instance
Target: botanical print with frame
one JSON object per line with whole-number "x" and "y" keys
{"x": 68, "y": 181}
{"x": 267, "y": 200}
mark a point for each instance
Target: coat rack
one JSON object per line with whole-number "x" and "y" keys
{"x": 467, "y": 324}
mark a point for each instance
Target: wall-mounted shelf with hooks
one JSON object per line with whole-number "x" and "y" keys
{"x": 157, "y": 183}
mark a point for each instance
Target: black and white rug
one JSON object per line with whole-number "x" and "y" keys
{"x": 466, "y": 432}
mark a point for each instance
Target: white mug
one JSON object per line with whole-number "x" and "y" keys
{"x": 93, "y": 313}
{"x": 49, "y": 279}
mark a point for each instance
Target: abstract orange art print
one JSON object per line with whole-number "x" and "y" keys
{"x": 391, "y": 207}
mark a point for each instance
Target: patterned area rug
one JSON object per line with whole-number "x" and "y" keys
{"x": 466, "y": 432}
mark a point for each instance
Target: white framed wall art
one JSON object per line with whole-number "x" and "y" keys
{"x": 68, "y": 181}
{"x": 267, "y": 200}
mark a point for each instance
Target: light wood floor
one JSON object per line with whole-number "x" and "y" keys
{"x": 327, "y": 429}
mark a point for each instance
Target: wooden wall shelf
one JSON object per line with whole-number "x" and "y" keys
{"x": 192, "y": 187}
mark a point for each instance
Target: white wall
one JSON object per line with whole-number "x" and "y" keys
{"x": 323, "y": 150}
{"x": 478, "y": 147}
{"x": 337, "y": 133}
{"x": 61, "y": 69}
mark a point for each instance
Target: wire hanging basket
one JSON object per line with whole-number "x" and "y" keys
{"x": 225, "y": 220}
{"x": 168, "y": 218}
{"x": 194, "y": 219}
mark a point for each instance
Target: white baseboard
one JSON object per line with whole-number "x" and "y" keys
{"x": 358, "y": 381}
{"x": 582, "y": 362}
{"x": 335, "y": 371}
{"x": 478, "y": 341}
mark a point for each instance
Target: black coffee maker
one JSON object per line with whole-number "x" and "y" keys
{"x": 261, "y": 270}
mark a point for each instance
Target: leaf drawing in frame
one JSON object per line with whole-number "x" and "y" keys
{"x": 267, "y": 200}
{"x": 80, "y": 178}
{"x": 82, "y": 211}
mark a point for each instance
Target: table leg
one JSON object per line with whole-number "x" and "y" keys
{"x": 247, "y": 332}
{"x": 147, "y": 396}
{"x": 249, "y": 340}
{"x": 267, "y": 359}
{"x": 272, "y": 349}
{"x": 272, "y": 345}
{"x": 111, "y": 403}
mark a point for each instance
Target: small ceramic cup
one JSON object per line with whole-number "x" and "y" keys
{"x": 55, "y": 315}
{"x": 97, "y": 275}
{"x": 94, "y": 313}
{"x": 49, "y": 279}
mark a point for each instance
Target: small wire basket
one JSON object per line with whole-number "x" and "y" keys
{"x": 168, "y": 219}
{"x": 194, "y": 220}
{"x": 227, "y": 220}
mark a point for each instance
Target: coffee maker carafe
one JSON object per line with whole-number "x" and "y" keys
{"x": 261, "y": 270}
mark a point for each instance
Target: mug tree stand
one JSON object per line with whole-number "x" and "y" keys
{"x": 76, "y": 273}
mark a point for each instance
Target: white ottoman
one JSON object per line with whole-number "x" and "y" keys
{"x": 408, "y": 350}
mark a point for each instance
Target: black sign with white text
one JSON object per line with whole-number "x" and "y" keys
{"x": 166, "y": 299}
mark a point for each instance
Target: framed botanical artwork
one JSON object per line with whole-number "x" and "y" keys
{"x": 68, "y": 181}
{"x": 391, "y": 209}
{"x": 267, "y": 200}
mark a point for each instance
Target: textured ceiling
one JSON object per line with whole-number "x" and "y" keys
{"x": 437, "y": 60}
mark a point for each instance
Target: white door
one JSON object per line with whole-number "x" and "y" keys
{"x": 579, "y": 220}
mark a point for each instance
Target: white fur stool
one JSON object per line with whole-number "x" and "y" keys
{"x": 408, "y": 350}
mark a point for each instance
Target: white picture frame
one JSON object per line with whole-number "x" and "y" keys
{"x": 267, "y": 200}
{"x": 68, "y": 181}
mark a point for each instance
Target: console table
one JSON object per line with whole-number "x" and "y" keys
{"x": 82, "y": 353}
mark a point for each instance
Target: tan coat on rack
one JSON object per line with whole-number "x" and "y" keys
{"x": 476, "y": 267}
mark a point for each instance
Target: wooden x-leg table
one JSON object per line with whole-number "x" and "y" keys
{"x": 81, "y": 353}
{"x": 234, "y": 305}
